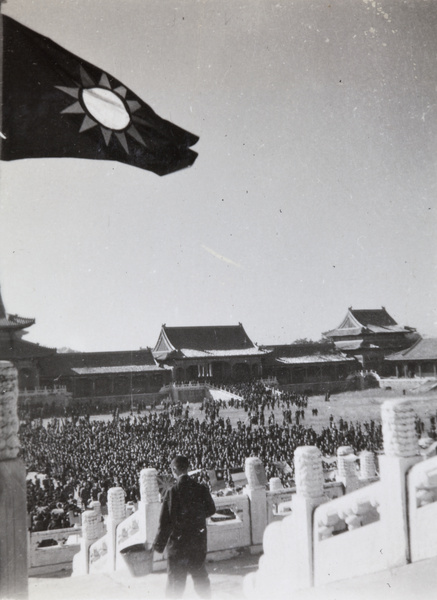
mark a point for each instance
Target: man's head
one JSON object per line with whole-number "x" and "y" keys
{"x": 179, "y": 465}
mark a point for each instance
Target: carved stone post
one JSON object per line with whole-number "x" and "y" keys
{"x": 400, "y": 453}
{"x": 347, "y": 468}
{"x": 97, "y": 508}
{"x": 367, "y": 465}
{"x": 309, "y": 494}
{"x": 150, "y": 502}
{"x": 256, "y": 491}
{"x": 116, "y": 514}
{"x": 90, "y": 534}
{"x": 13, "y": 507}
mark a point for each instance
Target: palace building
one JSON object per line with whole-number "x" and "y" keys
{"x": 365, "y": 340}
{"x": 370, "y": 336}
{"x": 22, "y": 354}
{"x": 318, "y": 366}
{"x": 105, "y": 374}
{"x": 419, "y": 360}
{"x": 84, "y": 374}
{"x": 221, "y": 354}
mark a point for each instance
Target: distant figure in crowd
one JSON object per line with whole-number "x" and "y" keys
{"x": 182, "y": 528}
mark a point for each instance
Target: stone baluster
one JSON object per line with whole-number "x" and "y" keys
{"x": 116, "y": 514}
{"x": 150, "y": 503}
{"x": 13, "y": 508}
{"x": 149, "y": 490}
{"x": 90, "y": 534}
{"x": 367, "y": 465}
{"x": 90, "y": 526}
{"x": 97, "y": 508}
{"x": 400, "y": 454}
{"x": 256, "y": 492}
{"x": 347, "y": 472}
{"x": 309, "y": 494}
{"x": 116, "y": 505}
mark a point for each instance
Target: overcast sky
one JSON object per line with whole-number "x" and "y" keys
{"x": 314, "y": 189}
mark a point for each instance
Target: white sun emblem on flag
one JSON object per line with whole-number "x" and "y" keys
{"x": 104, "y": 107}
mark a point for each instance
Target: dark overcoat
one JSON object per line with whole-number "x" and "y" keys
{"x": 182, "y": 522}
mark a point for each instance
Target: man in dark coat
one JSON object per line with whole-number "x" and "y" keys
{"x": 182, "y": 528}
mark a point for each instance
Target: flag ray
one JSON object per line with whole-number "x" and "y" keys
{"x": 121, "y": 91}
{"x": 134, "y": 133}
{"x": 133, "y": 105}
{"x": 74, "y": 92}
{"x": 104, "y": 81}
{"x": 106, "y": 134}
{"x": 86, "y": 79}
{"x": 87, "y": 123}
{"x": 75, "y": 108}
{"x": 122, "y": 139}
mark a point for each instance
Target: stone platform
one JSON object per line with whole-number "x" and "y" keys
{"x": 415, "y": 581}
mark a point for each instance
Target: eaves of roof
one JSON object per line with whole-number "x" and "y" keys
{"x": 315, "y": 359}
{"x": 190, "y": 353}
{"x": 117, "y": 369}
{"x": 423, "y": 349}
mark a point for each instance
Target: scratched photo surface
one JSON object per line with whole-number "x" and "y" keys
{"x": 314, "y": 123}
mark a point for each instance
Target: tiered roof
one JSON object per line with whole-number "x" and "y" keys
{"x": 373, "y": 321}
{"x": 12, "y": 322}
{"x": 12, "y": 346}
{"x": 204, "y": 342}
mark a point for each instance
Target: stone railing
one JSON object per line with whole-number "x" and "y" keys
{"x": 267, "y": 381}
{"x": 352, "y": 521}
{"x": 227, "y": 537}
{"x": 183, "y": 385}
{"x": 48, "y": 559}
{"x": 240, "y": 521}
{"x": 348, "y": 513}
{"x": 368, "y": 530}
{"x": 44, "y": 391}
{"x": 422, "y": 504}
{"x": 279, "y": 503}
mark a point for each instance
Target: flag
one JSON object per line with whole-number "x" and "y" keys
{"x": 56, "y": 104}
{"x": 216, "y": 479}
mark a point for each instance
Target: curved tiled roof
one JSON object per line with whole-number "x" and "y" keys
{"x": 315, "y": 359}
{"x": 118, "y": 369}
{"x": 17, "y": 348}
{"x": 378, "y": 316}
{"x": 189, "y": 353}
{"x": 10, "y": 322}
{"x": 423, "y": 349}
{"x": 67, "y": 363}
{"x": 15, "y": 322}
{"x": 367, "y": 321}
{"x": 222, "y": 337}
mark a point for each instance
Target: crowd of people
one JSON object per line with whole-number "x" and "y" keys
{"x": 82, "y": 458}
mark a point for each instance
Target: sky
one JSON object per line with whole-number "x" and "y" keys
{"x": 314, "y": 189}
